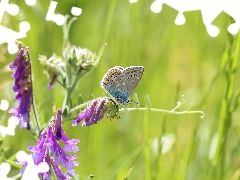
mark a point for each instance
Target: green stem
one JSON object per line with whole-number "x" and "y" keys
{"x": 68, "y": 87}
{"x": 70, "y": 91}
{"x": 66, "y": 28}
{"x": 59, "y": 82}
{"x": 35, "y": 113}
{"x": 145, "y": 109}
{"x": 79, "y": 106}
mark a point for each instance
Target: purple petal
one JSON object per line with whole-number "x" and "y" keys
{"x": 38, "y": 157}
{"x": 50, "y": 139}
{"x": 19, "y": 96}
{"x": 64, "y": 136}
{"x": 16, "y": 87}
{"x": 91, "y": 110}
{"x": 69, "y": 165}
{"x": 22, "y": 75}
{"x": 80, "y": 117}
{"x": 59, "y": 173}
{"x": 70, "y": 146}
{"x": 58, "y": 160}
{"x": 40, "y": 143}
{"x": 46, "y": 176}
{"x": 18, "y": 58}
{"x": 71, "y": 158}
{"x": 19, "y": 73}
{"x": 59, "y": 125}
{"x": 98, "y": 114}
{"x": 71, "y": 172}
{"x": 25, "y": 102}
{"x": 75, "y": 163}
{"x": 25, "y": 119}
{"x": 54, "y": 78}
{"x": 14, "y": 111}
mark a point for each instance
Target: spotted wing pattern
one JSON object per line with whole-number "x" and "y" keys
{"x": 133, "y": 75}
{"x": 115, "y": 85}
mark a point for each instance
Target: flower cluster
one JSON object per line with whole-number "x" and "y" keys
{"x": 80, "y": 61}
{"x": 96, "y": 110}
{"x": 22, "y": 86}
{"x": 81, "y": 58}
{"x": 48, "y": 150}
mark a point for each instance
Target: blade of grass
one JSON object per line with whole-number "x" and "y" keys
{"x": 108, "y": 21}
{"x": 187, "y": 155}
{"x": 226, "y": 113}
{"x": 146, "y": 144}
{"x": 155, "y": 169}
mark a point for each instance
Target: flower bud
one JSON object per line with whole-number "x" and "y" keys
{"x": 54, "y": 67}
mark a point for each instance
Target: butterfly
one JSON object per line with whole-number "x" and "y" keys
{"x": 119, "y": 83}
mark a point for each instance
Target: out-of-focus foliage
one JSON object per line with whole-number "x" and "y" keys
{"x": 177, "y": 59}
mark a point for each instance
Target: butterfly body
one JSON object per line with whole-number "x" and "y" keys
{"x": 119, "y": 83}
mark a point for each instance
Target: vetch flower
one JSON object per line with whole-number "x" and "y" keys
{"x": 82, "y": 60}
{"x": 54, "y": 78}
{"x": 96, "y": 110}
{"x": 22, "y": 86}
{"x": 54, "y": 67}
{"x": 48, "y": 150}
{"x": 79, "y": 57}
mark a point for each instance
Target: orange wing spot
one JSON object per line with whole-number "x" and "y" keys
{"x": 111, "y": 73}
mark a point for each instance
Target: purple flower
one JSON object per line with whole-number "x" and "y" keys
{"x": 54, "y": 67}
{"x": 49, "y": 150}
{"x": 23, "y": 87}
{"x": 59, "y": 125}
{"x": 96, "y": 111}
{"x": 54, "y": 78}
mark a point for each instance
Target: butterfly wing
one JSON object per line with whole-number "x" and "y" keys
{"x": 115, "y": 85}
{"x": 133, "y": 75}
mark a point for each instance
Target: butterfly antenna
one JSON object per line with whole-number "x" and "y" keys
{"x": 137, "y": 103}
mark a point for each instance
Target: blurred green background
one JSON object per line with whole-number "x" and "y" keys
{"x": 178, "y": 60}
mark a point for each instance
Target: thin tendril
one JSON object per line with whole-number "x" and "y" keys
{"x": 165, "y": 111}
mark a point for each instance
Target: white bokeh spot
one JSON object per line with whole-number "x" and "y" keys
{"x": 180, "y": 19}
{"x": 209, "y": 10}
{"x": 31, "y": 171}
{"x": 156, "y": 7}
{"x": 30, "y": 2}
{"x": 213, "y": 146}
{"x": 133, "y": 1}
{"x": 4, "y": 104}
{"x": 167, "y": 143}
{"x": 4, "y": 170}
{"x": 59, "y": 19}
{"x": 76, "y": 11}
{"x": 8, "y": 35}
{"x": 13, "y": 9}
{"x": 10, "y": 130}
